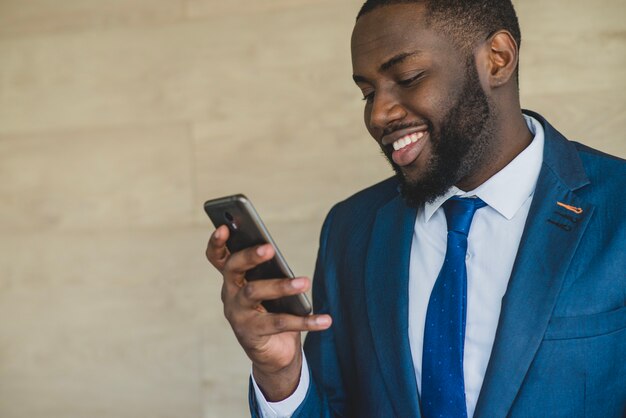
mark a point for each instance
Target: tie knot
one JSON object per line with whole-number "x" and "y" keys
{"x": 460, "y": 211}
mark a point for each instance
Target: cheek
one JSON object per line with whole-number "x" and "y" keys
{"x": 375, "y": 133}
{"x": 432, "y": 99}
{"x": 427, "y": 105}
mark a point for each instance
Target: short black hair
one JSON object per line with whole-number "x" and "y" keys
{"x": 465, "y": 21}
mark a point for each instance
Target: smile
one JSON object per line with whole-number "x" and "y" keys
{"x": 407, "y": 143}
{"x": 408, "y": 146}
{"x": 406, "y": 140}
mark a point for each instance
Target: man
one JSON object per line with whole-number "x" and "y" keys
{"x": 486, "y": 279}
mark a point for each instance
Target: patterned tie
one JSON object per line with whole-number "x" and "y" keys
{"x": 443, "y": 387}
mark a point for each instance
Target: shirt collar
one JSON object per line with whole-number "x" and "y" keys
{"x": 507, "y": 190}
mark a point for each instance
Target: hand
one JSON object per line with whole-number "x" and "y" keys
{"x": 272, "y": 341}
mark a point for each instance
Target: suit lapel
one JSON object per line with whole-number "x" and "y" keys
{"x": 386, "y": 283}
{"x": 554, "y": 227}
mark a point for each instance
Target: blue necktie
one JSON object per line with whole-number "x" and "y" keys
{"x": 443, "y": 386}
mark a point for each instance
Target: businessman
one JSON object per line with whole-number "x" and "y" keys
{"x": 487, "y": 278}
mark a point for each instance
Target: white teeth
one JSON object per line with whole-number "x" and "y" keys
{"x": 406, "y": 140}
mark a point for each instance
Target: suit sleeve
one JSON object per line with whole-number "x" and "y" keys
{"x": 326, "y": 396}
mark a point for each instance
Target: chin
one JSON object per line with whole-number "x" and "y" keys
{"x": 412, "y": 174}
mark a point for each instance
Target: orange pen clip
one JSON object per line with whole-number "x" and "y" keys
{"x": 574, "y": 209}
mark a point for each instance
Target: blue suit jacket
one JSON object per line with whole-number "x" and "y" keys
{"x": 560, "y": 347}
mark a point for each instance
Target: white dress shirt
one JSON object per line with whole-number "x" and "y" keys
{"x": 493, "y": 241}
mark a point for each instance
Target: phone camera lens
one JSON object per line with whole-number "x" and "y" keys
{"x": 231, "y": 221}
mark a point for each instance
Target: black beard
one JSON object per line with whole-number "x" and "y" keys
{"x": 458, "y": 149}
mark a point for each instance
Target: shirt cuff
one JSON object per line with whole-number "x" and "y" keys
{"x": 286, "y": 407}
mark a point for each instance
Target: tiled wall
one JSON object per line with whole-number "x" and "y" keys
{"x": 119, "y": 118}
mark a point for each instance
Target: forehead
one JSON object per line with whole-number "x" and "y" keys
{"x": 395, "y": 29}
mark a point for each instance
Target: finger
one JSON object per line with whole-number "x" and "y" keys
{"x": 240, "y": 262}
{"x": 254, "y": 292}
{"x": 216, "y": 251}
{"x": 270, "y": 324}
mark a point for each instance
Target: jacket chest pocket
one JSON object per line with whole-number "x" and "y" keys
{"x": 579, "y": 369}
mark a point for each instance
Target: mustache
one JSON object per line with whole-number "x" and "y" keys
{"x": 404, "y": 125}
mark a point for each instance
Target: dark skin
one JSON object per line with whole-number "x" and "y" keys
{"x": 436, "y": 71}
{"x": 421, "y": 87}
{"x": 271, "y": 341}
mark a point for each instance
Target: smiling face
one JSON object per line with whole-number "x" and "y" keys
{"x": 424, "y": 103}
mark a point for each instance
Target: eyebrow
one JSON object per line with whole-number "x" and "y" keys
{"x": 390, "y": 63}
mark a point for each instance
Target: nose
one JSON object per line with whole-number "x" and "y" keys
{"x": 385, "y": 109}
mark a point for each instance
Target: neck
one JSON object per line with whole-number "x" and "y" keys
{"x": 511, "y": 137}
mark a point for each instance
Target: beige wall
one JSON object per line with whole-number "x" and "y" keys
{"x": 119, "y": 118}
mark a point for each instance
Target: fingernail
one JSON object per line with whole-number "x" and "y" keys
{"x": 298, "y": 283}
{"x": 217, "y": 234}
{"x": 322, "y": 320}
{"x": 261, "y": 251}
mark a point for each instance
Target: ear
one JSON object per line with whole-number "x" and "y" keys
{"x": 502, "y": 58}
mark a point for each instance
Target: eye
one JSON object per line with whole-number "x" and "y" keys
{"x": 409, "y": 81}
{"x": 369, "y": 97}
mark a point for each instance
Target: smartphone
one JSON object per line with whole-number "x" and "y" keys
{"x": 247, "y": 230}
